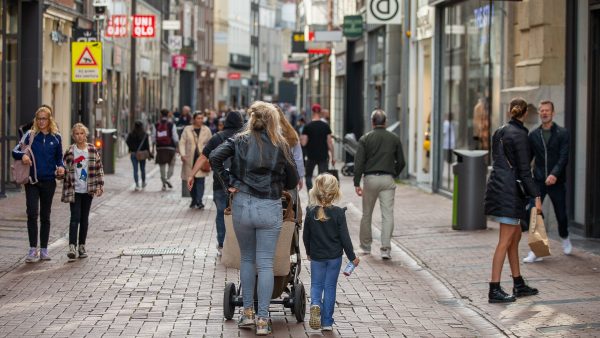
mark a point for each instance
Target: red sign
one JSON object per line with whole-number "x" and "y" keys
{"x": 116, "y": 26}
{"x": 144, "y": 26}
{"x": 234, "y": 76}
{"x": 319, "y": 51}
{"x": 179, "y": 61}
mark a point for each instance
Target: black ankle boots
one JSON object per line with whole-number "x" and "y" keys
{"x": 521, "y": 289}
{"x": 497, "y": 295}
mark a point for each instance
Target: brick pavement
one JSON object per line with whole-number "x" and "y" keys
{"x": 568, "y": 302}
{"x": 436, "y": 284}
{"x": 13, "y": 219}
{"x": 114, "y": 294}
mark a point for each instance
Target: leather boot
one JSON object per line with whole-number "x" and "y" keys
{"x": 497, "y": 295}
{"x": 521, "y": 289}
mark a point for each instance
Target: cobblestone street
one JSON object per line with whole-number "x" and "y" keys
{"x": 434, "y": 286}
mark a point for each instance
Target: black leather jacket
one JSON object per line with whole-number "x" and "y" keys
{"x": 550, "y": 158}
{"x": 258, "y": 167}
{"x": 511, "y": 158}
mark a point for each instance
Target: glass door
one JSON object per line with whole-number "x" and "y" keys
{"x": 593, "y": 161}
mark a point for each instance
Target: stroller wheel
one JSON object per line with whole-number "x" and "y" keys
{"x": 299, "y": 302}
{"x": 229, "y": 301}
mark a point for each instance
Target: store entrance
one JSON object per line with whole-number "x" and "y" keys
{"x": 593, "y": 162}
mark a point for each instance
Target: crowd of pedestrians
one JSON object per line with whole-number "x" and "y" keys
{"x": 257, "y": 154}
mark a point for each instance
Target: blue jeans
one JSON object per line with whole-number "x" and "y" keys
{"x": 197, "y": 190}
{"x": 323, "y": 283}
{"x": 142, "y": 164}
{"x": 257, "y": 223}
{"x": 220, "y": 199}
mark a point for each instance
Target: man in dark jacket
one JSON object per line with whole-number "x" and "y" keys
{"x": 233, "y": 123}
{"x": 380, "y": 158}
{"x": 550, "y": 147}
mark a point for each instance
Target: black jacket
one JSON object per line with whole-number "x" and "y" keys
{"x": 550, "y": 158}
{"x": 258, "y": 167}
{"x": 134, "y": 140}
{"x": 233, "y": 123}
{"x": 328, "y": 239}
{"x": 510, "y": 148}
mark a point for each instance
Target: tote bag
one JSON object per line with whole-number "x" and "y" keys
{"x": 538, "y": 239}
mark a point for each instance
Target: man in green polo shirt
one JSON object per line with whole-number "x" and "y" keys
{"x": 379, "y": 158}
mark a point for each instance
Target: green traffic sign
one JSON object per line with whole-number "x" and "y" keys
{"x": 353, "y": 26}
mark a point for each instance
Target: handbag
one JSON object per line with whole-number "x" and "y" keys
{"x": 142, "y": 155}
{"x": 206, "y": 165}
{"x": 538, "y": 238}
{"x": 21, "y": 171}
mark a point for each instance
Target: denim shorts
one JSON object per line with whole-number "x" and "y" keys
{"x": 505, "y": 220}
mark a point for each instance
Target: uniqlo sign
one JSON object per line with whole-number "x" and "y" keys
{"x": 116, "y": 26}
{"x": 179, "y": 61}
{"x": 144, "y": 26}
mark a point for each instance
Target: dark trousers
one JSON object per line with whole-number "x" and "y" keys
{"x": 198, "y": 190}
{"x": 39, "y": 202}
{"x": 558, "y": 196}
{"x": 310, "y": 167}
{"x": 80, "y": 212}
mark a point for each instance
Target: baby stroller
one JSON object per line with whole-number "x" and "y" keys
{"x": 350, "y": 146}
{"x": 288, "y": 290}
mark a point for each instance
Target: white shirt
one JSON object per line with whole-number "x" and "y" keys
{"x": 80, "y": 161}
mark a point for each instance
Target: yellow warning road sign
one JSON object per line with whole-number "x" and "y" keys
{"x": 86, "y": 61}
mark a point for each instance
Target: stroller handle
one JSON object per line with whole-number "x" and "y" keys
{"x": 289, "y": 211}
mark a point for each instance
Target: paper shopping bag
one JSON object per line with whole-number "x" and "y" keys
{"x": 538, "y": 239}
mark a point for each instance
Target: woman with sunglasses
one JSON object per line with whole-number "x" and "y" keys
{"x": 46, "y": 146}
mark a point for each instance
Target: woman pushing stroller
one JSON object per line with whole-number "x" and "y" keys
{"x": 261, "y": 168}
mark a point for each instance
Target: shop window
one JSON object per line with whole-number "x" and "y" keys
{"x": 473, "y": 35}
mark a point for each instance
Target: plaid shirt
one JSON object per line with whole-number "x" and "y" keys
{"x": 95, "y": 173}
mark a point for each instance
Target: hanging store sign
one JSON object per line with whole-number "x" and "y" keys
{"x": 179, "y": 61}
{"x": 171, "y": 25}
{"x": 116, "y": 27}
{"x": 84, "y": 35}
{"x": 386, "y": 12}
{"x": 234, "y": 76}
{"x": 86, "y": 61}
{"x": 298, "y": 42}
{"x": 175, "y": 42}
{"x": 353, "y": 26}
{"x": 425, "y": 20}
{"x": 328, "y": 36}
{"x": 144, "y": 26}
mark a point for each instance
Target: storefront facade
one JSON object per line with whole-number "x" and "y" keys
{"x": 469, "y": 57}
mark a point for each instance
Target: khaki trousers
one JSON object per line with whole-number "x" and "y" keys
{"x": 382, "y": 187}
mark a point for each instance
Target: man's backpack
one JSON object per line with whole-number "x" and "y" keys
{"x": 164, "y": 134}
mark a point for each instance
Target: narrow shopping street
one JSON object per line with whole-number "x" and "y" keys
{"x": 434, "y": 286}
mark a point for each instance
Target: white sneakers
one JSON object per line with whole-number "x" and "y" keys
{"x": 532, "y": 258}
{"x": 567, "y": 246}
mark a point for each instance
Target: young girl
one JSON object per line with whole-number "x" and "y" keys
{"x": 325, "y": 236}
{"x": 83, "y": 180}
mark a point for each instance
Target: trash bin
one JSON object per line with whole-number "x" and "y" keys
{"x": 107, "y": 144}
{"x": 470, "y": 172}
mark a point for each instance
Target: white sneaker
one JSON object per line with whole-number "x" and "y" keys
{"x": 386, "y": 253}
{"x": 532, "y": 258}
{"x": 567, "y": 246}
{"x": 364, "y": 251}
{"x": 327, "y": 328}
